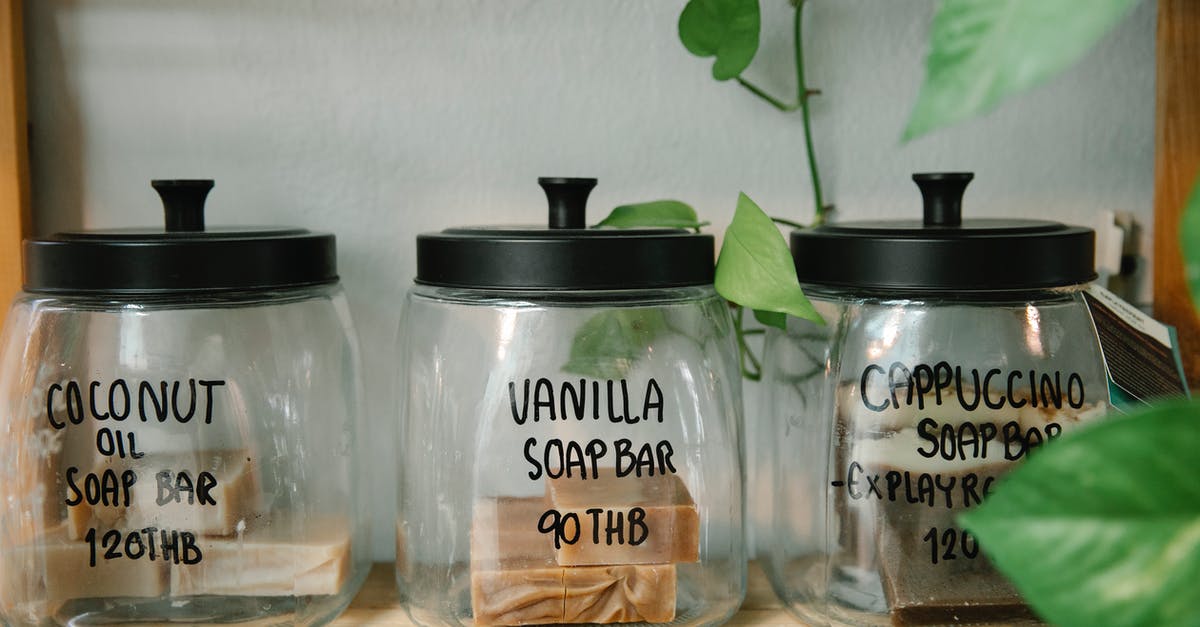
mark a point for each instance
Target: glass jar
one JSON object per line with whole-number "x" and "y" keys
{"x": 179, "y": 428}
{"x": 569, "y": 427}
{"x": 950, "y": 352}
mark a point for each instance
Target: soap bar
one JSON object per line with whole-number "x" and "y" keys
{"x": 278, "y": 555}
{"x": 515, "y": 579}
{"x": 211, "y": 510}
{"x": 631, "y": 593}
{"x": 922, "y": 593}
{"x": 932, "y": 573}
{"x": 56, "y": 568}
{"x": 665, "y": 530}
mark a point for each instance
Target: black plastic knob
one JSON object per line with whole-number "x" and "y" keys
{"x": 568, "y": 201}
{"x": 183, "y": 202}
{"x": 943, "y": 194}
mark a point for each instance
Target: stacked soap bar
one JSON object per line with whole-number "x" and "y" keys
{"x": 519, "y": 577}
{"x": 931, "y": 573}
{"x": 166, "y": 536}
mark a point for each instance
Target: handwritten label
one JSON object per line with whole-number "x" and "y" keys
{"x": 538, "y": 400}
{"x": 72, "y": 403}
{"x": 926, "y": 458}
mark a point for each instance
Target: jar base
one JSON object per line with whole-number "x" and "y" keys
{"x": 264, "y": 611}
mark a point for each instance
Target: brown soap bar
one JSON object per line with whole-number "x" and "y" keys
{"x": 236, "y": 495}
{"x": 56, "y": 568}
{"x": 671, "y": 531}
{"x": 922, "y": 593}
{"x": 620, "y": 594}
{"x": 515, "y": 579}
{"x": 278, "y": 555}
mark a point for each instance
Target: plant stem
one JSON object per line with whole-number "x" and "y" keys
{"x": 771, "y": 100}
{"x": 794, "y": 225}
{"x": 802, "y": 94}
{"x": 755, "y": 372}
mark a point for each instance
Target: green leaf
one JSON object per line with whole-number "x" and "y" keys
{"x": 756, "y": 270}
{"x": 771, "y": 318}
{"x": 610, "y": 342}
{"x": 725, "y": 29}
{"x": 982, "y": 51}
{"x": 664, "y": 213}
{"x": 1189, "y": 234}
{"x": 1102, "y": 527}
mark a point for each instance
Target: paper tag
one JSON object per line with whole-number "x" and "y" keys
{"x": 1141, "y": 354}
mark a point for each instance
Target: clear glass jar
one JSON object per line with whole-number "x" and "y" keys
{"x": 180, "y": 460}
{"x": 871, "y": 477}
{"x": 514, "y": 402}
{"x": 570, "y": 438}
{"x": 951, "y": 350}
{"x": 176, "y": 454}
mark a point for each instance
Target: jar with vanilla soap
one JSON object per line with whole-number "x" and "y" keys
{"x": 569, "y": 438}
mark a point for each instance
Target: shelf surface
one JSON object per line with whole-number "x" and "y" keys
{"x": 377, "y": 604}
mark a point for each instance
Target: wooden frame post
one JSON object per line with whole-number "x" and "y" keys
{"x": 1176, "y": 167}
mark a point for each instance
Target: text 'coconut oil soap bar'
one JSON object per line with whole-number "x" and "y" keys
{"x": 953, "y": 348}
{"x": 569, "y": 440}
{"x": 179, "y": 415}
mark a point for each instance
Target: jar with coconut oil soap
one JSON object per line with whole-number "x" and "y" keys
{"x": 951, "y": 350}
{"x": 178, "y": 434}
{"x": 569, "y": 427}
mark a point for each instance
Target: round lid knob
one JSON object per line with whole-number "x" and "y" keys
{"x": 183, "y": 202}
{"x": 568, "y": 201}
{"x": 943, "y": 194}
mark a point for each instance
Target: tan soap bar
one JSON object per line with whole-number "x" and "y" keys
{"x": 56, "y": 568}
{"x": 515, "y": 579}
{"x": 278, "y": 555}
{"x": 631, "y": 593}
{"x": 506, "y": 528}
{"x": 671, "y": 531}
{"x": 208, "y": 509}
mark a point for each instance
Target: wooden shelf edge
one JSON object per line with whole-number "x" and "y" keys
{"x": 377, "y": 602}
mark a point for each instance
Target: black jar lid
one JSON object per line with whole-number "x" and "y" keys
{"x": 943, "y": 252}
{"x": 184, "y": 257}
{"x": 565, "y": 256}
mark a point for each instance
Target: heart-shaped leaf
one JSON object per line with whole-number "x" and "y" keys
{"x": 610, "y": 342}
{"x": 725, "y": 29}
{"x": 756, "y": 270}
{"x": 1189, "y": 242}
{"x": 982, "y": 51}
{"x": 661, "y": 213}
{"x": 1102, "y": 527}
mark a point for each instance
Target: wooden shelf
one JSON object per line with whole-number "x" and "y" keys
{"x": 377, "y": 604}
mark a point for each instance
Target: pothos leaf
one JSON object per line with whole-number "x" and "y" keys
{"x": 1189, "y": 242}
{"x": 982, "y": 51}
{"x": 756, "y": 270}
{"x": 725, "y": 29}
{"x": 662, "y": 213}
{"x": 610, "y": 342}
{"x": 1102, "y": 527}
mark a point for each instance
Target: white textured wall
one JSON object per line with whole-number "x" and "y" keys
{"x": 382, "y": 119}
